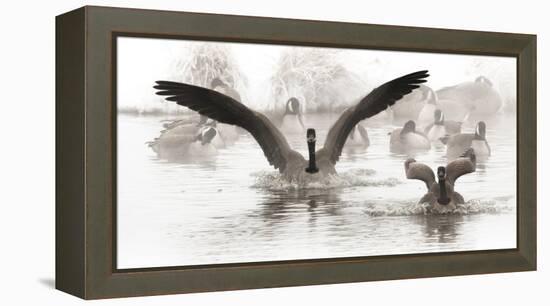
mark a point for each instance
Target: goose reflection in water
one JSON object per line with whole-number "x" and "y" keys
{"x": 440, "y": 228}
{"x": 280, "y": 205}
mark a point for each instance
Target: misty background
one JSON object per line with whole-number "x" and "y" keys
{"x": 255, "y": 71}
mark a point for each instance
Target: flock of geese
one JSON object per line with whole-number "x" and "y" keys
{"x": 400, "y": 97}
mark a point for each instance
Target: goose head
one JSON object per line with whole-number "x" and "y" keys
{"x": 480, "y": 131}
{"x": 430, "y": 96}
{"x": 483, "y": 80}
{"x": 211, "y": 122}
{"x": 203, "y": 119}
{"x": 207, "y": 134}
{"x": 216, "y": 82}
{"x": 311, "y": 139}
{"x": 442, "y": 194}
{"x": 470, "y": 153}
{"x": 292, "y": 106}
{"x": 409, "y": 127}
{"x": 438, "y": 117}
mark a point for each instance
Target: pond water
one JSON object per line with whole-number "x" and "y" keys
{"x": 233, "y": 207}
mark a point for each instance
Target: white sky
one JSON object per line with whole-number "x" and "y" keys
{"x": 141, "y": 61}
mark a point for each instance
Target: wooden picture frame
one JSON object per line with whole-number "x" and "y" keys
{"x": 85, "y": 154}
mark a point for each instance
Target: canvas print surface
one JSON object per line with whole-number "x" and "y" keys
{"x": 234, "y": 153}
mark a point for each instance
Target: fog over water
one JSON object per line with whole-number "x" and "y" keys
{"x": 146, "y": 60}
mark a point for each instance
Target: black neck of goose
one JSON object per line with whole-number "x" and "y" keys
{"x": 479, "y": 136}
{"x": 480, "y": 131}
{"x": 443, "y": 197}
{"x": 431, "y": 97}
{"x": 287, "y": 107}
{"x": 312, "y": 167}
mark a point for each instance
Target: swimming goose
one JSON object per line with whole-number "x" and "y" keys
{"x": 456, "y": 144}
{"x": 182, "y": 130}
{"x": 185, "y": 131}
{"x": 358, "y": 137}
{"x": 229, "y": 134}
{"x": 477, "y": 99}
{"x": 441, "y": 195}
{"x": 441, "y": 127}
{"x": 292, "y": 119}
{"x": 427, "y": 112}
{"x": 291, "y": 164}
{"x": 410, "y": 106}
{"x": 182, "y": 127}
{"x": 170, "y": 124}
{"x": 408, "y": 140}
{"x": 220, "y": 86}
{"x": 177, "y": 144}
{"x": 222, "y": 138}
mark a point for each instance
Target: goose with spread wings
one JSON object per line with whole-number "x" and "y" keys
{"x": 291, "y": 164}
{"x": 441, "y": 194}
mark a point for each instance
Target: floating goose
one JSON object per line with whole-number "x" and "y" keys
{"x": 455, "y": 110}
{"x": 293, "y": 119}
{"x": 477, "y": 99}
{"x": 180, "y": 144}
{"x": 408, "y": 140}
{"x": 291, "y": 164}
{"x": 358, "y": 137}
{"x": 185, "y": 131}
{"x": 441, "y": 195}
{"x": 221, "y": 139}
{"x": 170, "y": 124}
{"x": 228, "y": 134}
{"x": 220, "y": 86}
{"x": 409, "y": 107}
{"x": 183, "y": 128}
{"x": 441, "y": 127}
{"x": 459, "y": 143}
{"x": 426, "y": 114}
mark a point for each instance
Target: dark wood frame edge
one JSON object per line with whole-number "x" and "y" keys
{"x": 84, "y": 190}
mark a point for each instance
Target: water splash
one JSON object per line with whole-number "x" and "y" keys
{"x": 410, "y": 209}
{"x": 272, "y": 180}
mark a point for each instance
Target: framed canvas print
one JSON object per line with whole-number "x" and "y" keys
{"x": 200, "y": 152}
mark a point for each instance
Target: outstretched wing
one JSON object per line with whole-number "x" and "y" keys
{"x": 465, "y": 164}
{"x": 418, "y": 171}
{"x": 376, "y": 101}
{"x": 225, "y": 109}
